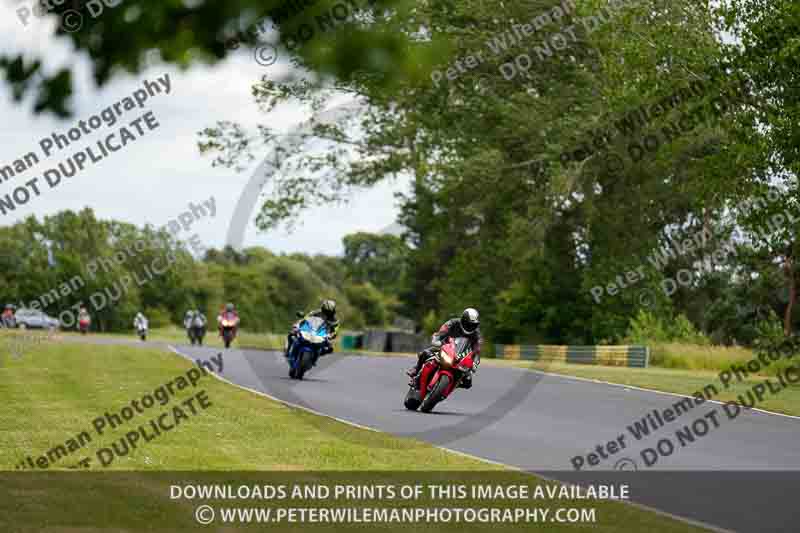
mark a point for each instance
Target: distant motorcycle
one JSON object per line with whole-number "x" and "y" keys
{"x": 197, "y": 331}
{"x": 311, "y": 338}
{"x": 441, "y": 374}
{"x": 141, "y": 331}
{"x": 228, "y": 326}
{"x": 83, "y": 325}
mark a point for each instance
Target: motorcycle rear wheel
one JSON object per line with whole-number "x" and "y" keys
{"x": 435, "y": 396}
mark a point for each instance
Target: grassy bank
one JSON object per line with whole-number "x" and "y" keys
{"x": 59, "y": 389}
{"x": 56, "y": 390}
{"x": 174, "y": 335}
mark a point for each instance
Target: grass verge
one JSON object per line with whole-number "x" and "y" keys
{"x": 56, "y": 390}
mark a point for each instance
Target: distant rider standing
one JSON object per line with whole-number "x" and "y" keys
{"x": 466, "y": 326}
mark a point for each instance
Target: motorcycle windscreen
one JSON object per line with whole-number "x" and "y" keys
{"x": 463, "y": 346}
{"x": 315, "y": 326}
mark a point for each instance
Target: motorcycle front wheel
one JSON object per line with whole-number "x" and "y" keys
{"x": 436, "y": 395}
{"x": 305, "y": 363}
{"x": 412, "y": 399}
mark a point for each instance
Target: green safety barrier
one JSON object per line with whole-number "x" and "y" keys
{"x": 631, "y": 356}
{"x": 352, "y": 342}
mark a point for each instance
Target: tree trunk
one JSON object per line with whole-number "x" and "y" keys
{"x": 787, "y": 315}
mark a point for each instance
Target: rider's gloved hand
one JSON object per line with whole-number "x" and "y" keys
{"x": 436, "y": 343}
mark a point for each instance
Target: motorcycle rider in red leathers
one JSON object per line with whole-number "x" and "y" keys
{"x": 466, "y": 326}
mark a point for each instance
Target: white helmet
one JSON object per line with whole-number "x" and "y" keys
{"x": 470, "y": 320}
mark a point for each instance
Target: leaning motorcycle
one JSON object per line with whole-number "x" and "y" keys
{"x": 441, "y": 374}
{"x": 228, "y": 326}
{"x": 311, "y": 338}
{"x": 141, "y": 331}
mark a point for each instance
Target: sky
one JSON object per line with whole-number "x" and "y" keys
{"x": 153, "y": 179}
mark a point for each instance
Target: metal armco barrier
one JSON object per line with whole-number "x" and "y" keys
{"x": 385, "y": 341}
{"x": 632, "y": 356}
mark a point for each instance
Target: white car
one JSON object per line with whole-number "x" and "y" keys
{"x": 32, "y": 319}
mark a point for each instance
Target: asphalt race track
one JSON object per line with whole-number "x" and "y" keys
{"x": 741, "y": 475}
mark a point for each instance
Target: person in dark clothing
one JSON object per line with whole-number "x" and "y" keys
{"x": 8, "y": 319}
{"x": 466, "y": 326}
{"x": 327, "y": 312}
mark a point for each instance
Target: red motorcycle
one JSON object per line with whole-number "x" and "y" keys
{"x": 441, "y": 374}
{"x": 228, "y": 326}
{"x": 83, "y": 324}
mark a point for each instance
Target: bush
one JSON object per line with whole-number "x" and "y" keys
{"x": 647, "y": 328}
{"x": 431, "y": 323}
{"x": 769, "y": 333}
{"x": 697, "y": 357}
{"x": 370, "y": 301}
{"x": 157, "y": 317}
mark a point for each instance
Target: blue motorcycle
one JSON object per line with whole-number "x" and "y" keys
{"x": 311, "y": 338}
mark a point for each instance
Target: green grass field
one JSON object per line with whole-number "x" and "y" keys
{"x": 55, "y": 391}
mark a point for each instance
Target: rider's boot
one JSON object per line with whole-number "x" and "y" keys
{"x": 414, "y": 372}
